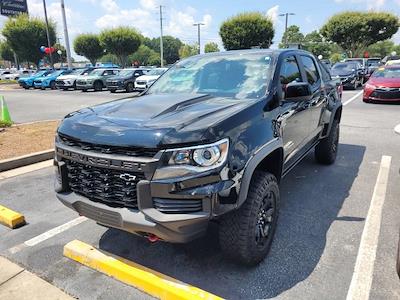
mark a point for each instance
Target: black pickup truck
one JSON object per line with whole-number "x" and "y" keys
{"x": 209, "y": 141}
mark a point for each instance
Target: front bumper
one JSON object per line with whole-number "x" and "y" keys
{"x": 115, "y": 86}
{"x": 157, "y": 201}
{"x": 180, "y": 228}
{"x": 64, "y": 84}
{"x": 390, "y": 95}
{"x": 86, "y": 86}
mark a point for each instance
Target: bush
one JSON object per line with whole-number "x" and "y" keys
{"x": 4, "y": 124}
{"x": 247, "y": 30}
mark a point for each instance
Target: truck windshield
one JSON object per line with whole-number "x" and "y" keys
{"x": 239, "y": 76}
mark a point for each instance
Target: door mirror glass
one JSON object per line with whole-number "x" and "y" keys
{"x": 298, "y": 91}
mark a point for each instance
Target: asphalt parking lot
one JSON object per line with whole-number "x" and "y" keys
{"x": 37, "y": 105}
{"x": 317, "y": 243}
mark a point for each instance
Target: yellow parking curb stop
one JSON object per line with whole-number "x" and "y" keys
{"x": 11, "y": 218}
{"x": 147, "y": 280}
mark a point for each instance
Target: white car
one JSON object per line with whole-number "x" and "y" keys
{"x": 65, "y": 82}
{"x": 143, "y": 82}
{"x": 19, "y": 74}
{"x": 7, "y": 72}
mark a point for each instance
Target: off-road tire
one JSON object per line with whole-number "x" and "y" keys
{"x": 237, "y": 230}
{"x": 326, "y": 150}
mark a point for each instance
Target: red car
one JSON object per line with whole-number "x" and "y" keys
{"x": 384, "y": 85}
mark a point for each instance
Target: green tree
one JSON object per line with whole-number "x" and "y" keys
{"x": 292, "y": 36}
{"x": 171, "y": 46}
{"x": 26, "y": 35}
{"x": 211, "y": 47}
{"x": 381, "y": 49}
{"x": 335, "y": 57}
{"x": 6, "y": 52}
{"x": 354, "y": 31}
{"x": 316, "y": 44}
{"x": 88, "y": 45}
{"x": 188, "y": 50}
{"x": 247, "y": 30}
{"x": 145, "y": 56}
{"x": 109, "y": 58}
{"x": 121, "y": 42}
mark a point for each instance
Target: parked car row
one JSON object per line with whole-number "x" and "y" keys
{"x": 91, "y": 78}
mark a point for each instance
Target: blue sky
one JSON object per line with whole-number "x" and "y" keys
{"x": 95, "y": 15}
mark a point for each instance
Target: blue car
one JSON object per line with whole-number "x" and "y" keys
{"x": 27, "y": 82}
{"x": 49, "y": 81}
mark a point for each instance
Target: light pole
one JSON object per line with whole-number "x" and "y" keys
{"x": 198, "y": 32}
{"x": 286, "y": 24}
{"x": 66, "y": 37}
{"x": 47, "y": 32}
{"x": 161, "y": 38}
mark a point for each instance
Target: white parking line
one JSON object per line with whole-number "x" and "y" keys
{"x": 46, "y": 235}
{"x": 364, "y": 268}
{"x": 352, "y": 98}
{"x": 397, "y": 129}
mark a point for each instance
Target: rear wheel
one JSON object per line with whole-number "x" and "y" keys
{"x": 98, "y": 86}
{"x": 129, "y": 87}
{"x": 326, "y": 150}
{"x": 53, "y": 85}
{"x": 246, "y": 234}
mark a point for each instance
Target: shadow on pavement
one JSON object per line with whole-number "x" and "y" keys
{"x": 312, "y": 196}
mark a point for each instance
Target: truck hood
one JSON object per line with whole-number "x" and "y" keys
{"x": 150, "y": 121}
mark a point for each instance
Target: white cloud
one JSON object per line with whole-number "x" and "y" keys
{"x": 370, "y": 4}
{"x": 273, "y": 13}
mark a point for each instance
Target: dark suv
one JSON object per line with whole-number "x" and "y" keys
{"x": 125, "y": 80}
{"x": 209, "y": 141}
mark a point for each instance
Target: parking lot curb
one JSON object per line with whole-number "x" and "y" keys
{"x": 147, "y": 280}
{"x": 11, "y": 218}
{"x": 21, "y": 161}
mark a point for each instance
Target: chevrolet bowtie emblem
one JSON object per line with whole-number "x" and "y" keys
{"x": 127, "y": 177}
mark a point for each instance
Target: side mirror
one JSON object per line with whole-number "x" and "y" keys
{"x": 298, "y": 91}
{"x": 136, "y": 74}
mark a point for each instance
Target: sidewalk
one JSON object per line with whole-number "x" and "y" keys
{"x": 17, "y": 283}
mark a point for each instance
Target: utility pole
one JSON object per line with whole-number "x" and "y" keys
{"x": 286, "y": 24}
{"x": 48, "y": 35}
{"x": 198, "y": 32}
{"x": 66, "y": 37}
{"x": 161, "y": 38}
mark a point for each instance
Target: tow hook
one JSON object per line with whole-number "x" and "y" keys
{"x": 152, "y": 238}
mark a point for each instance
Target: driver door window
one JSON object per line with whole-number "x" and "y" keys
{"x": 290, "y": 72}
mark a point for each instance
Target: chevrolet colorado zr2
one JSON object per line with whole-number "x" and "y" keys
{"x": 209, "y": 141}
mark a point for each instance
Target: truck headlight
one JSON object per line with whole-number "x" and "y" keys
{"x": 193, "y": 160}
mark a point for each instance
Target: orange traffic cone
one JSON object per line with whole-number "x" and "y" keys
{"x": 4, "y": 113}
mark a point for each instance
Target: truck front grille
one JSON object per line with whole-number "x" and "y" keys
{"x": 177, "y": 206}
{"x": 112, "y": 187}
{"x": 129, "y": 151}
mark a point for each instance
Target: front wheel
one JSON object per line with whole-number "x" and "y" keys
{"x": 98, "y": 86}
{"x": 326, "y": 150}
{"x": 246, "y": 234}
{"x": 129, "y": 87}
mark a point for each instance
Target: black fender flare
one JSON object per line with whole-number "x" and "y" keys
{"x": 337, "y": 109}
{"x": 252, "y": 164}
